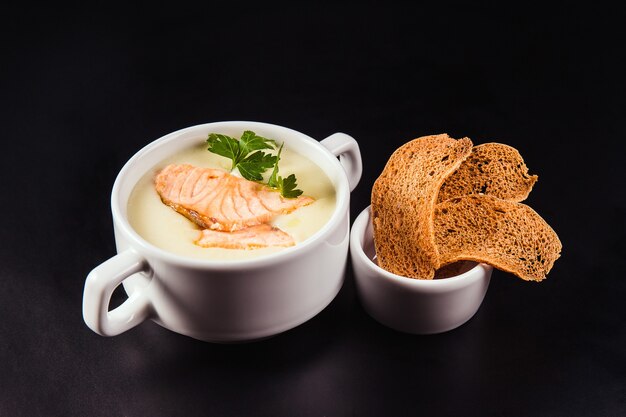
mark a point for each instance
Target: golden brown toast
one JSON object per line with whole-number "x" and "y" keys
{"x": 403, "y": 200}
{"x": 492, "y": 169}
{"x": 508, "y": 235}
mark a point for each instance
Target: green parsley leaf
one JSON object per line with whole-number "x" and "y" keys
{"x": 250, "y": 141}
{"x": 252, "y": 165}
{"x": 225, "y": 146}
{"x": 288, "y": 187}
{"x": 273, "y": 180}
{"x": 256, "y": 164}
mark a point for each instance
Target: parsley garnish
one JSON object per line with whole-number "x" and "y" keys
{"x": 250, "y": 165}
{"x": 286, "y": 186}
{"x": 246, "y": 155}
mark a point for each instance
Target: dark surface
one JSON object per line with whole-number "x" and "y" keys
{"x": 82, "y": 90}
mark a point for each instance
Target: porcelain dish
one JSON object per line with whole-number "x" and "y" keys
{"x": 412, "y": 305}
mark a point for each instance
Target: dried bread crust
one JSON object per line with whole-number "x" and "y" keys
{"x": 508, "y": 235}
{"x": 494, "y": 169}
{"x": 440, "y": 201}
{"x": 403, "y": 200}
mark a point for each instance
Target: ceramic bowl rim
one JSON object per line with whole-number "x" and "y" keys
{"x": 145, "y": 248}
{"x": 361, "y": 230}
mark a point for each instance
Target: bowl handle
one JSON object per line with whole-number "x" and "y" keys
{"x": 347, "y": 149}
{"x": 99, "y": 286}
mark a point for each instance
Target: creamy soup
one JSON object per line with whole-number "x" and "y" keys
{"x": 162, "y": 226}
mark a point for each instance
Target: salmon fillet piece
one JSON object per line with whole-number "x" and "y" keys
{"x": 260, "y": 236}
{"x": 215, "y": 199}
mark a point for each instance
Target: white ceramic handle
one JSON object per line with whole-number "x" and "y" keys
{"x": 99, "y": 286}
{"x": 347, "y": 149}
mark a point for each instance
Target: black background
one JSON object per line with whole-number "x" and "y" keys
{"x": 82, "y": 89}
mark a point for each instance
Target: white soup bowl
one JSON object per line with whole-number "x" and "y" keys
{"x": 224, "y": 300}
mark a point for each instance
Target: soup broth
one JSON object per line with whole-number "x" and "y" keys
{"x": 163, "y": 227}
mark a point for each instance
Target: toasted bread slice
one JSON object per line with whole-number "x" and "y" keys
{"x": 493, "y": 169}
{"x": 507, "y": 235}
{"x": 403, "y": 200}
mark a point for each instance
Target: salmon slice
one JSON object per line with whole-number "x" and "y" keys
{"x": 259, "y": 236}
{"x": 215, "y": 199}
